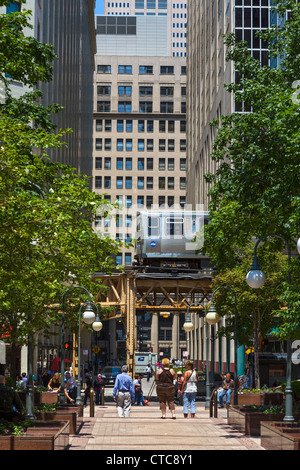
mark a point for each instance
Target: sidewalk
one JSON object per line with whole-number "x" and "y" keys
{"x": 145, "y": 431}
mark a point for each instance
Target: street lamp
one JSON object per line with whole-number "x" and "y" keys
{"x": 254, "y": 282}
{"x": 188, "y": 326}
{"x": 298, "y": 246}
{"x": 88, "y": 317}
{"x": 213, "y": 313}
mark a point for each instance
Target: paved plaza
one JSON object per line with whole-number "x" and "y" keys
{"x": 145, "y": 431}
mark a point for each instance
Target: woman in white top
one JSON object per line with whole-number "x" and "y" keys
{"x": 189, "y": 389}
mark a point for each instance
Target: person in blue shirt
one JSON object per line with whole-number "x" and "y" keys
{"x": 124, "y": 393}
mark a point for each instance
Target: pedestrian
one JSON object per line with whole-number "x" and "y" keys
{"x": 24, "y": 379}
{"x": 89, "y": 383}
{"x": 70, "y": 388}
{"x": 189, "y": 389}
{"x": 124, "y": 393}
{"x": 228, "y": 386}
{"x": 98, "y": 387}
{"x": 11, "y": 405}
{"x": 148, "y": 372}
{"x": 165, "y": 388}
{"x": 54, "y": 383}
{"x": 139, "y": 397}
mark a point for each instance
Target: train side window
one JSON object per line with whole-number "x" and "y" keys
{"x": 153, "y": 226}
{"x": 174, "y": 226}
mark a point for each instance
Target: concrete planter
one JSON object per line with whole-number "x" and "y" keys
{"x": 275, "y": 398}
{"x": 280, "y": 436}
{"x": 71, "y": 413}
{"x": 42, "y": 436}
{"x": 49, "y": 397}
{"x": 248, "y": 420}
{"x": 37, "y": 397}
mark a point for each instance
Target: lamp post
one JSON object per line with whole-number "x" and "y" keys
{"x": 213, "y": 310}
{"x": 255, "y": 279}
{"x": 188, "y": 326}
{"x": 87, "y": 314}
{"x": 89, "y": 318}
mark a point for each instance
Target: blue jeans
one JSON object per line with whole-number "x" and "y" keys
{"x": 139, "y": 397}
{"x": 189, "y": 399}
{"x": 223, "y": 393}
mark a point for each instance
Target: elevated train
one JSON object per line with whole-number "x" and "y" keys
{"x": 171, "y": 239}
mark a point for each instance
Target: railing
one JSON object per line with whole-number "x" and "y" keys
{"x": 213, "y": 404}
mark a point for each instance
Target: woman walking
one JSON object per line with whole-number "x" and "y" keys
{"x": 165, "y": 388}
{"x": 189, "y": 389}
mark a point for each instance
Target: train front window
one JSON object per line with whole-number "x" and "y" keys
{"x": 153, "y": 226}
{"x": 174, "y": 226}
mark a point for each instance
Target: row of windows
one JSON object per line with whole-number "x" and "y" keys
{"x": 141, "y": 182}
{"x": 126, "y": 90}
{"x": 142, "y": 145}
{"x": 142, "y": 125}
{"x": 143, "y": 69}
{"x": 141, "y": 164}
{"x": 141, "y": 201}
{"x": 144, "y": 107}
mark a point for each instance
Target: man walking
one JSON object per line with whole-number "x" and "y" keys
{"x": 124, "y": 393}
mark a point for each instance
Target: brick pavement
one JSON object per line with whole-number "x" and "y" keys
{"x": 145, "y": 431}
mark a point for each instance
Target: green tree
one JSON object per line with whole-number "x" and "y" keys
{"x": 46, "y": 209}
{"x": 255, "y": 307}
{"x": 255, "y": 190}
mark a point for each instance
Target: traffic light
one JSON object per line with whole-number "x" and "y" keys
{"x": 69, "y": 345}
{"x": 142, "y": 337}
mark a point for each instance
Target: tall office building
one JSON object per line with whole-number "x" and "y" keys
{"x": 139, "y": 121}
{"x": 208, "y": 71}
{"x": 175, "y": 11}
{"x": 70, "y": 27}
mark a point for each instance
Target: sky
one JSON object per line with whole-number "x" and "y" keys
{"x": 99, "y": 10}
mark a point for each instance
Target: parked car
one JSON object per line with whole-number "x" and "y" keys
{"x": 109, "y": 374}
{"x": 201, "y": 385}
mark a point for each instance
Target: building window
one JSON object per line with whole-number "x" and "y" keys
{"x": 141, "y": 145}
{"x": 107, "y": 182}
{"x": 149, "y": 163}
{"x": 128, "y": 125}
{"x": 119, "y": 182}
{"x": 128, "y": 182}
{"x": 162, "y": 126}
{"x": 167, "y": 69}
{"x": 171, "y": 164}
{"x": 107, "y": 163}
{"x": 140, "y": 182}
{"x": 182, "y": 145}
{"x": 171, "y": 184}
{"x": 128, "y": 163}
{"x": 98, "y": 125}
{"x": 162, "y": 182}
{"x": 103, "y": 106}
{"x": 162, "y": 164}
{"x": 166, "y": 107}
{"x": 119, "y": 145}
{"x": 183, "y": 164}
{"x": 166, "y": 91}
{"x": 124, "y": 90}
{"x": 98, "y": 182}
{"x": 146, "y": 90}
{"x": 149, "y": 202}
{"x": 107, "y": 144}
{"x": 127, "y": 258}
{"x": 146, "y": 69}
{"x": 98, "y": 144}
{"x": 141, "y": 163}
{"x": 182, "y": 126}
{"x": 171, "y": 126}
{"x": 119, "y": 163}
{"x": 120, "y": 125}
{"x": 150, "y": 145}
{"x": 125, "y": 69}
{"x": 145, "y": 107}
{"x": 124, "y": 107}
{"x": 104, "y": 69}
{"x": 162, "y": 145}
{"x": 171, "y": 145}
{"x": 182, "y": 183}
{"x": 98, "y": 163}
{"x": 149, "y": 182}
{"x": 103, "y": 90}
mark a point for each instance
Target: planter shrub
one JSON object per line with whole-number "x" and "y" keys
{"x": 53, "y": 412}
{"x": 247, "y": 419}
{"x": 40, "y": 435}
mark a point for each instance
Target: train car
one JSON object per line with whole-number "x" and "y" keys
{"x": 171, "y": 238}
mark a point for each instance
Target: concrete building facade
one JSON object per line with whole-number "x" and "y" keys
{"x": 139, "y": 130}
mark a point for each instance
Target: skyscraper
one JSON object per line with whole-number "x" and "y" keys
{"x": 175, "y": 11}
{"x": 208, "y": 72}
